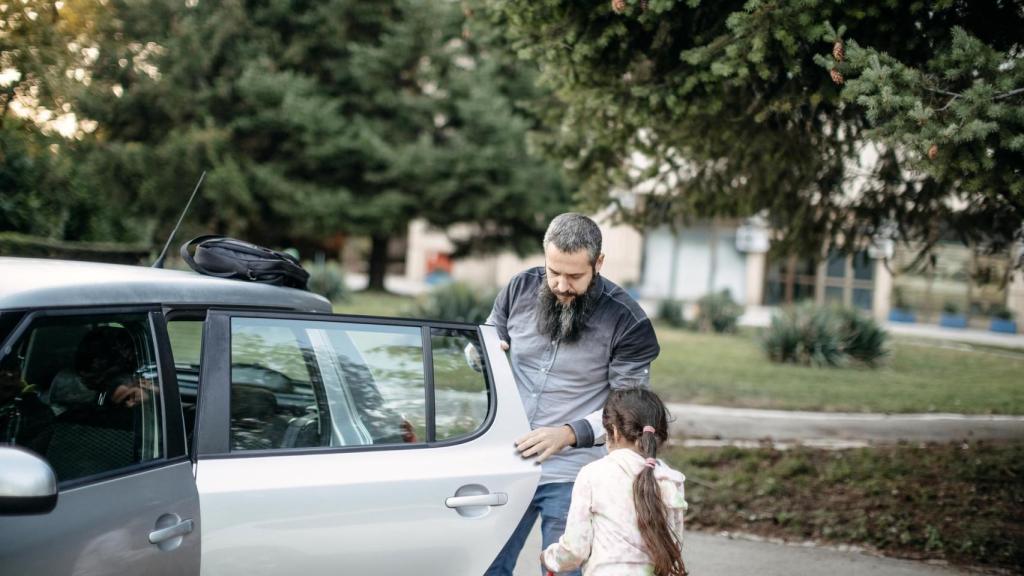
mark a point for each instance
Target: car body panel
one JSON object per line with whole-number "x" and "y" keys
{"x": 102, "y": 528}
{"x": 380, "y": 511}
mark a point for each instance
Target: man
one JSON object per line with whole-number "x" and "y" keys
{"x": 572, "y": 336}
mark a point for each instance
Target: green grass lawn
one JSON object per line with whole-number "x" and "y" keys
{"x": 374, "y": 304}
{"x": 732, "y": 370}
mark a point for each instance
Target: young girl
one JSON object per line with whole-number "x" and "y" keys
{"x": 627, "y": 509}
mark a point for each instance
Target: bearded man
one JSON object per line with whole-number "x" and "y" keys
{"x": 572, "y": 336}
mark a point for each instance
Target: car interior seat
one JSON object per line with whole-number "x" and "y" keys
{"x": 89, "y": 438}
{"x": 254, "y": 421}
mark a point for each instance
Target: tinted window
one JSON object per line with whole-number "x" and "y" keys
{"x": 83, "y": 391}
{"x": 301, "y": 384}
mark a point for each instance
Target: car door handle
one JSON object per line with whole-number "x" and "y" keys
{"x": 495, "y": 499}
{"x": 179, "y": 529}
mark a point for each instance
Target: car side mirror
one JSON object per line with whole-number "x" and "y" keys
{"x": 473, "y": 359}
{"x": 27, "y": 483}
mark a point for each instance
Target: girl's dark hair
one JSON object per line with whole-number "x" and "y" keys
{"x": 628, "y": 411}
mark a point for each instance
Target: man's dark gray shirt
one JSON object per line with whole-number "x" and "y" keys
{"x": 567, "y": 383}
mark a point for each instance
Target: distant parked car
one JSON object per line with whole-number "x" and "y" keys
{"x": 163, "y": 422}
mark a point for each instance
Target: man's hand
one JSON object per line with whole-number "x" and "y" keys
{"x": 503, "y": 345}
{"x": 545, "y": 442}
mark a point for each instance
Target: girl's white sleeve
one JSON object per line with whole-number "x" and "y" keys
{"x": 676, "y": 514}
{"x": 573, "y": 548}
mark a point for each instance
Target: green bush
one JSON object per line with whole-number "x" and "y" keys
{"x": 327, "y": 279}
{"x": 862, "y": 338}
{"x": 824, "y": 336}
{"x": 671, "y": 312}
{"x": 951, "y": 308}
{"x": 1000, "y": 311}
{"x": 718, "y": 312}
{"x": 456, "y": 302}
{"x": 805, "y": 334}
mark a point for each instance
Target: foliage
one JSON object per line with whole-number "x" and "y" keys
{"x": 671, "y": 312}
{"x": 862, "y": 338}
{"x": 805, "y": 334}
{"x": 327, "y": 278}
{"x": 824, "y": 336}
{"x": 311, "y": 120}
{"x": 718, "y": 312}
{"x": 842, "y": 120}
{"x": 958, "y": 502}
{"x": 1001, "y": 311}
{"x": 455, "y": 302}
{"x": 16, "y": 244}
{"x": 950, "y": 307}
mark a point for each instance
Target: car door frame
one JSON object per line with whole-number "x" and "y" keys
{"x": 212, "y": 432}
{"x": 175, "y": 459}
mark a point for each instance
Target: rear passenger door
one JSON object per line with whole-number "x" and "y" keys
{"x": 92, "y": 392}
{"x": 331, "y": 444}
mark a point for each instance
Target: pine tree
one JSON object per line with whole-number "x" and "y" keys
{"x": 732, "y": 108}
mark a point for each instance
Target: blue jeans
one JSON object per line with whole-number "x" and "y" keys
{"x": 551, "y": 503}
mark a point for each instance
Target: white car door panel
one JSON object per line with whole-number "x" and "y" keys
{"x": 404, "y": 509}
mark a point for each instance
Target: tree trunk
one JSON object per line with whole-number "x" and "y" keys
{"x": 378, "y": 263}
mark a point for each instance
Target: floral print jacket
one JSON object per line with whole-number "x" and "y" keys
{"x": 601, "y": 531}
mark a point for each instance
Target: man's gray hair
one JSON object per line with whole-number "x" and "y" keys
{"x": 572, "y": 232}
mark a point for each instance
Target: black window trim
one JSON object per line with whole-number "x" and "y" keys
{"x": 149, "y": 311}
{"x": 215, "y": 400}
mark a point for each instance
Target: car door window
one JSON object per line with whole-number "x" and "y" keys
{"x": 84, "y": 392}
{"x": 460, "y": 385}
{"x": 302, "y": 384}
{"x": 186, "y": 339}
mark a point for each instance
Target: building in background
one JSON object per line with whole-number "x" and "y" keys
{"x": 685, "y": 263}
{"x": 427, "y": 246}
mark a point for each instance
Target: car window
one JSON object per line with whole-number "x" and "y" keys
{"x": 301, "y": 384}
{"x": 186, "y": 338}
{"x": 8, "y": 321}
{"x": 460, "y": 388}
{"x": 83, "y": 391}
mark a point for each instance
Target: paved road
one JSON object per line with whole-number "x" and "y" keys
{"x": 695, "y": 421}
{"x": 715, "y": 555}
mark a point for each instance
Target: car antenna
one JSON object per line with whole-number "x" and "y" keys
{"x": 163, "y": 253}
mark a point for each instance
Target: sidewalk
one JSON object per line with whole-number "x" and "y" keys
{"x": 708, "y": 554}
{"x": 721, "y": 423}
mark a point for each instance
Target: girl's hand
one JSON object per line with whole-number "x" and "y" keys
{"x": 544, "y": 566}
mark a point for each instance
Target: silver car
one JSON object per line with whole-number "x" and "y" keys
{"x": 162, "y": 422}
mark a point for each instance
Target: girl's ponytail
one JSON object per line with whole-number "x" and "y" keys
{"x": 652, "y": 520}
{"x": 640, "y": 417}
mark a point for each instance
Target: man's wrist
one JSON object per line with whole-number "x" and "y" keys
{"x": 570, "y": 435}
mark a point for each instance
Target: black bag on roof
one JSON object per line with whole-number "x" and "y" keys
{"x": 225, "y": 257}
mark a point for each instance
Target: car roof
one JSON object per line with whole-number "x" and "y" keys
{"x": 35, "y": 283}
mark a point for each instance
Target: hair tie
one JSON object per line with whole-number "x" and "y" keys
{"x": 650, "y": 462}
{"x": 650, "y": 429}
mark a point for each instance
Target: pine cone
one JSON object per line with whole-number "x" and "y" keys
{"x": 836, "y": 76}
{"x": 618, "y": 6}
{"x": 933, "y": 151}
{"x": 837, "y": 50}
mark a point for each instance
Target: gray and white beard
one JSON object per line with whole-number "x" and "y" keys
{"x": 564, "y": 322}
